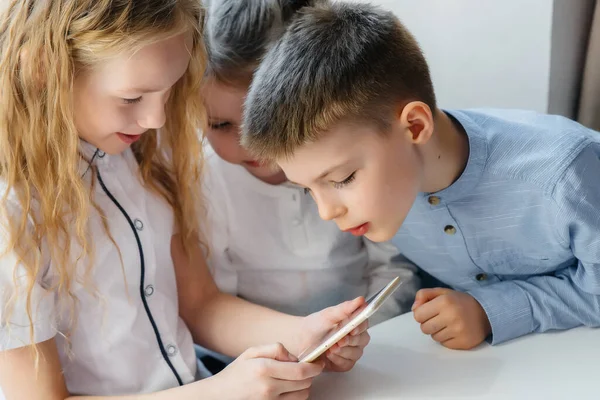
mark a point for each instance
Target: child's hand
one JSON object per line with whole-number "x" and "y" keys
{"x": 342, "y": 356}
{"x": 266, "y": 372}
{"x": 454, "y": 319}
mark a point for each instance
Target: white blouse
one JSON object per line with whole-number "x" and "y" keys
{"x": 128, "y": 337}
{"x": 269, "y": 246}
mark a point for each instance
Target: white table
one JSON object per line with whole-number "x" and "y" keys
{"x": 403, "y": 363}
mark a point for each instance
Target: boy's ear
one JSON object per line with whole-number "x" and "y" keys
{"x": 416, "y": 118}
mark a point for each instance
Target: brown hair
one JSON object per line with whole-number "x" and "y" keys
{"x": 338, "y": 61}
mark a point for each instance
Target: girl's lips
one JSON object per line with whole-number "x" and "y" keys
{"x": 129, "y": 139}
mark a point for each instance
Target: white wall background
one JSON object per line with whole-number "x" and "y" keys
{"x": 490, "y": 53}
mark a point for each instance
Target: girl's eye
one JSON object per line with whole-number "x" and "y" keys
{"x": 347, "y": 181}
{"x": 220, "y": 125}
{"x": 132, "y": 101}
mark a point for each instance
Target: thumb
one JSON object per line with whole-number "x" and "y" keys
{"x": 273, "y": 351}
{"x": 425, "y": 295}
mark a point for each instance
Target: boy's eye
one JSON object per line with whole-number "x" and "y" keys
{"x": 347, "y": 181}
{"x": 220, "y": 125}
{"x": 132, "y": 101}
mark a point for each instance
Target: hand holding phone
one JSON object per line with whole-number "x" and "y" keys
{"x": 343, "y": 329}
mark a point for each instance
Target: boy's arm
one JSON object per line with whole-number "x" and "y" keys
{"x": 571, "y": 296}
{"x": 385, "y": 263}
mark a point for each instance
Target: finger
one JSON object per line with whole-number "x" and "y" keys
{"x": 454, "y": 344}
{"x": 434, "y": 325}
{"x": 293, "y": 386}
{"x": 299, "y": 395}
{"x": 336, "y": 314}
{"x": 349, "y": 353}
{"x": 273, "y": 351}
{"x": 443, "y": 336}
{"x": 425, "y": 295}
{"x": 428, "y": 310}
{"x": 460, "y": 343}
{"x": 338, "y": 363}
{"x": 360, "y": 329}
{"x": 292, "y": 371}
{"x": 361, "y": 340}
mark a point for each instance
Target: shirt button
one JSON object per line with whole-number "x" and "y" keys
{"x": 293, "y": 197}
{"x": 433, "y": 200}
{"x": 171, "y": 350}
{"x": 450, "y": 230}
{"x": 101, "y": 154}
{"x": 139, "y": 225}
{"x": 481, "y": 277}
{"x": 297, "y": 222}
{"x": 149, "y": 291}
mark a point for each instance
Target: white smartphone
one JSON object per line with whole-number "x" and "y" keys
{"x": 357, "y": 318}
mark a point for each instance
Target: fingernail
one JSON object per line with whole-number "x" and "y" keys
{"x": 413, "y": 306}
{"x": 292, "y": 357}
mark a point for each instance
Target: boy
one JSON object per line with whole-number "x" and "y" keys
{"x": 502, "y": 206}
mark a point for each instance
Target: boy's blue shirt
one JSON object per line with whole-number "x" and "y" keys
{"x": 520, "y": 229}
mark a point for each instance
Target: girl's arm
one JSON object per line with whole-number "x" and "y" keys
{"x": 225, "y": 323}
{"x": 19, "y": 379}
{"x": 230, "y": 325}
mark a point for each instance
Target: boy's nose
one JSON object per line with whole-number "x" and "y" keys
{"x": 330, "y": 212}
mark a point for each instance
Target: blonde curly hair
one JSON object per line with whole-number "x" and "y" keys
{"x": 44, "y": 45}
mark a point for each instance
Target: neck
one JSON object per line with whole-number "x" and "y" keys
{"x": 446, "y": 155}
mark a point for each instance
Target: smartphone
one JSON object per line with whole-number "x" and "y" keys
{"x": 357, "y": 318}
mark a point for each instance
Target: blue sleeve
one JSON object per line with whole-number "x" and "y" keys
{"x": 571, "y": 296}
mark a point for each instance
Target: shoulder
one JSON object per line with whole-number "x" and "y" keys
{"x": 526, "y": 146}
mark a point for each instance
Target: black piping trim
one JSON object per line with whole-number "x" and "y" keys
{"x": 89, "y": 162}
{"x": 143, "y": 271}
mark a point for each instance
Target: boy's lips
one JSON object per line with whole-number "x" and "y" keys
{"x": 359, "y": 230}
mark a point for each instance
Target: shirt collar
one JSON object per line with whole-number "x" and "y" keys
{"x": 478, "y": 152}
{"x": 90, "y": 155}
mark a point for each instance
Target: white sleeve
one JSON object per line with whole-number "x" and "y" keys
{"x": 16, "y": 328}
{"x": 385, "y": 263}
{"x": 216, "y": 232}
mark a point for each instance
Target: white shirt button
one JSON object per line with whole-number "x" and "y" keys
{"x": 139, "y": 225}
{"x": 171, "y": 350}
{"x": 297, "y": 222}
{"x": 149, "y": 291}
